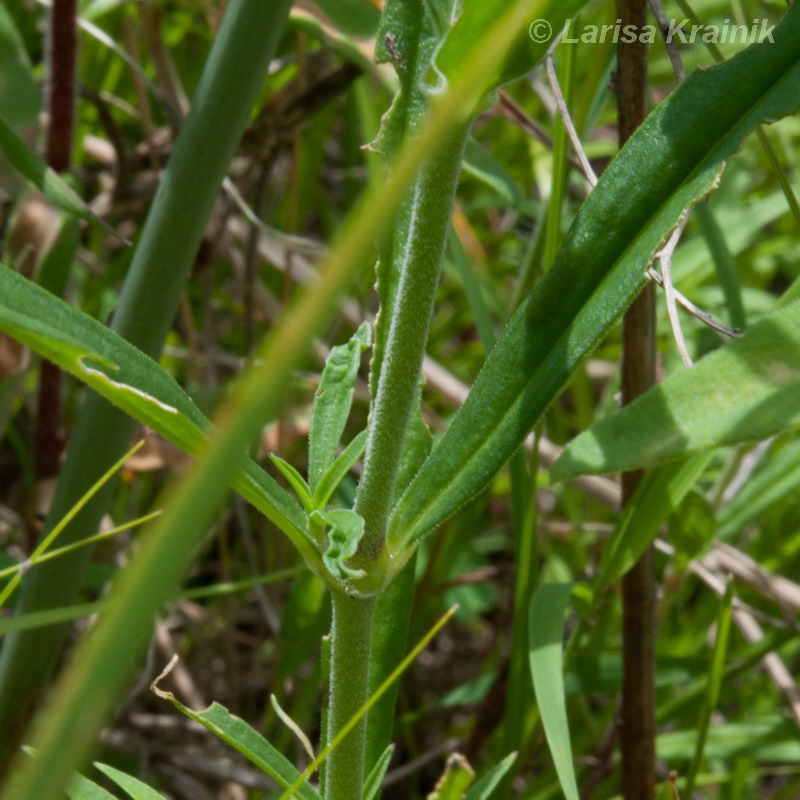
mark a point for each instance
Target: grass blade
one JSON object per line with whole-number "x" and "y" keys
{"x": 546, "y": 631}
{"x": 715, "y": 676}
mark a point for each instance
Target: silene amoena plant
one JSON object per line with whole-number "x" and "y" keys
{"x": 449, "y": 58}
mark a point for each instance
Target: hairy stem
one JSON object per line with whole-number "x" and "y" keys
{"x": 431, "y": 207}
{"x": 351, "y": 637}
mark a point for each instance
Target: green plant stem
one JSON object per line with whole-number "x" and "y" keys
{"x": 221, "y": 107}
{"x": 351, "y": 637}
{"x": 432, "y": 198}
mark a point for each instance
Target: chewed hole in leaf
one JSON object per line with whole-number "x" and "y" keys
{"x": 98, "y": 373}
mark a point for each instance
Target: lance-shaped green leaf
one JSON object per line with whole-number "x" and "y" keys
{"x": 332, "y": 403}
{"x": 346, "y": 530}
{"x": 483, "y": 789}
{"x": 295, "y": 480}
{"x": 83, "y": 789}
{"x": 372, "y": 785}
{"x": 45, "y": 179}
{"x": 743, "y": 392}
{"x": 137, "y": 789}
{"x": 546, "y": 636}
{"x": 335, "y": 473}
{"x": 671, "y": 161}
{"x": 251, "y": 744}
{"x": 134, "y": 382}
{"x": 656, "y": 497}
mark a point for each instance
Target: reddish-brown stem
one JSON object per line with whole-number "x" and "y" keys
{"x": 62, "y": 49}
{"x": 62, "y": 43}
{"x": 637, "y": 734}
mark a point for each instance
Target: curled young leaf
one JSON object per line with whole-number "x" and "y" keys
{"x": 346, "y": 530}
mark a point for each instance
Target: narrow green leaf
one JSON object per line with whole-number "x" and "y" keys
{"x": 45, "y": 179}
{"x": 372, "y": 785}
{"x": 295, "y": 480}
{"x": 19, "y": 93}
{"x": 481, "y": 164}
{"x": 332, "y": 403}
{"x": 483, "y": 789}
{"x": 777, "y": 477}
{"x": 658, "y": 495}
{"x": 49, "y": 616}
{"x": 764, "y": 738}
{"x": 724, "y": 262}
{"x": 53, "y": 616}
{"x": 671, "y": 161}
{"x": 83, "y": 789}
{"x": 472, "y": 288}
{"x": 79, "y": 788}
{"x": 132, "y": 381}
{"x": 546, "y": 632}
{"x": 242, "y": 737}
{"x": 416, "y": 448}
{"x": 715, "y": 675}
{"x": 45, "y": 544}
{"x": 335, "y": 473}
{"x": 743, "y": 392}
{"x": 137, "y": 789}
{"x": 691, "y": 527}
{"x": 457, "y": 777}
{"x": 346, "y": 530}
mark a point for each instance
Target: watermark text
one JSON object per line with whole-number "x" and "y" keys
{"x": 679, "y": 31}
